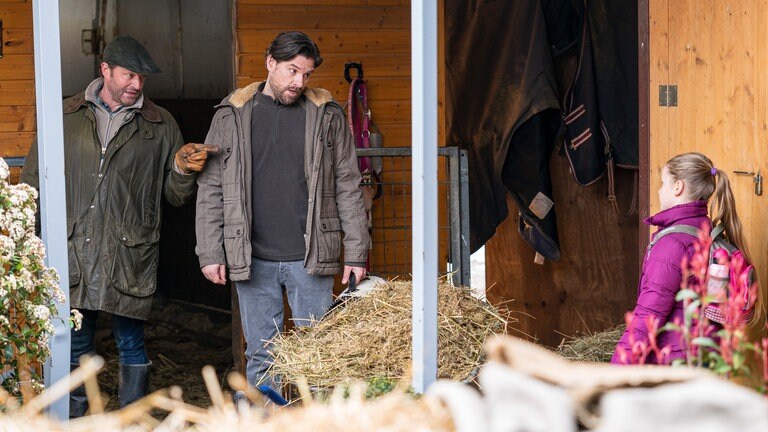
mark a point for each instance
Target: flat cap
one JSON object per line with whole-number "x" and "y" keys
{"x": 129, "y": 53}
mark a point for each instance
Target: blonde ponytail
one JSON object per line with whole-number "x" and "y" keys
{"x": 722, "y": 209}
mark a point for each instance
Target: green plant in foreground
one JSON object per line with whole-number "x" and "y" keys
{"x": 28, "y": 291}
{"x": 724, "y": 347}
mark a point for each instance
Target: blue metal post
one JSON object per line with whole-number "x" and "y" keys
{"x": 424, "y": 176}
{"x": 50, "y": 139}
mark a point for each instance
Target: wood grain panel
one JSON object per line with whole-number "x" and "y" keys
{"x": 17, "y": 118}
{"x": 322, "y": 17}
{"x": 594, "y": 282}
{"x": 17, "y": 41}
{"x": 379, "y": 89}
{"x": 21, "y": 92}
{"x": 338, "y": 41}
{"x": 327, "y": 2}
{"x": 722, "y": 91}
{"x": 390, "y": 66}
{"x": 16, "y": 15}
{"x": 13, "y": 144}
{"x": 659, "y": 75}
{"x": 395, "y": 135}
{"x": 17, "y": 67}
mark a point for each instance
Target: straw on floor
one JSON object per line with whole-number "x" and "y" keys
{"x": 370, "y": 337}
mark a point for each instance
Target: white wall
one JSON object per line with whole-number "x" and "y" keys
{"x": 191, "y": 41}
{"x": 77, "y": 68}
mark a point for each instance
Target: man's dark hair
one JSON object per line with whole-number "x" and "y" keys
{"x": 288, "y": 45}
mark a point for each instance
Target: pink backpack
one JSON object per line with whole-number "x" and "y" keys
{"x": 719, "y": 277}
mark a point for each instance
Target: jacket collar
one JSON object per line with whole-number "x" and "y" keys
{"x": 672, "y": 215}
{"x": 148, "y": 109}
{"x": 242, "y": 95}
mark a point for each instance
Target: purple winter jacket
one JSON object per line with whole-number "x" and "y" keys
{"x": 661, "y": 277}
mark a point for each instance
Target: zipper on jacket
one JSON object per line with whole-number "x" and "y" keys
{"x": 106, "y": 138}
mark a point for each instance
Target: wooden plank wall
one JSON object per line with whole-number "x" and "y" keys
{"x": 17, "y": 80}
{"x": 714, "y": 52}
{"x": 375, "y": 33}
{"x": 594, "y": 282}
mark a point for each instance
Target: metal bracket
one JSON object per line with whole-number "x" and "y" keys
{"x": 89, "y": 41}
{"x": 668, "y": 95}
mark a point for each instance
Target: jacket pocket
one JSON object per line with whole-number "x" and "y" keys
{"x": 134, "y": 264}
{"x": 234, "y": 247}
{"x": 329, "y": 240}
{"x": 74, "y": 262}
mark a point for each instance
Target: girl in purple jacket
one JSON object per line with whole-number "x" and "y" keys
{"x": 688, "y": 181}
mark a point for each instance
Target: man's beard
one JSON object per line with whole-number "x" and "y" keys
{"x": 282, "y": 95}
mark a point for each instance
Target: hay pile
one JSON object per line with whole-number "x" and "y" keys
{"x": 395, "y": 412}
{"x": 596, "y": 347}
{"x": 370, "y": 338}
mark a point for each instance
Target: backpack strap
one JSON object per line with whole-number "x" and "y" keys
{"x": 717, "y": 231}
{"x": 685, "y": 229}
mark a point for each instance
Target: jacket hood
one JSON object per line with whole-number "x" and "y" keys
{"x": 677, "y": 214}
{"x": 148, "y": 110}
{"x": 239, "y": 97}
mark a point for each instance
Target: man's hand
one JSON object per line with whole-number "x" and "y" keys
{"x": 191, "y": 157}
{"x": 358, "y": 271}
{"x": 216, "y": 273}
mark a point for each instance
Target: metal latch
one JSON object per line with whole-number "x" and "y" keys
{"x": 757, "y": 179}
{"x": 668, "y": 95}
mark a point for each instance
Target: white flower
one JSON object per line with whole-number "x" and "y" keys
{"x": 24, "y": 280}
{"x": 4, "y": 171}
{"x": 7, "y": 247}
{"x": 56, "y": 293}
{"x": 9, "y": 283}
{"x": 39, "y": 312}
{"x": 77, "y": 319}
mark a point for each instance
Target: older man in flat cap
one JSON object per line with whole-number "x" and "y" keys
{"x": 122, "y": 154}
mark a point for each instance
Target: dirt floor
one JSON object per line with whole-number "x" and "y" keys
{"x": 180, "y": 341}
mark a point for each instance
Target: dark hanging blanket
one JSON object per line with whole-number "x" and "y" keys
{"x": 503, "y": 108}
{"x": 503, "y": 94}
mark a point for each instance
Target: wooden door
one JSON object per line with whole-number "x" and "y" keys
{"x": 714, "y": 52}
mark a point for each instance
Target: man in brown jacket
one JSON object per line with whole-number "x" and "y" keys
{"x": 275, "y": 205}
{"x": 122, "y": 154}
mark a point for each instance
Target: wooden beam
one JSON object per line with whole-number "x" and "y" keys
{"x": 322, "y": 17}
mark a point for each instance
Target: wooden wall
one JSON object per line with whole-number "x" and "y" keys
{"x": 17, "y": 80}
{"x": 714, "y": 52}
{"x": 594, "y": 282}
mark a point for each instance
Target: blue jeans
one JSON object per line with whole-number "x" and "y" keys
{"x": 261, "y": 308}
{"x": 129, "y": 337}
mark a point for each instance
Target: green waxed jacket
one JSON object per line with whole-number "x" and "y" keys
{"x": 114, "y": 207}
{"x": 335, "y": 210}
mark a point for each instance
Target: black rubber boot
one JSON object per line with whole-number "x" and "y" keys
{"x": 78, "y": 401}
{"x": 133, "y": 383}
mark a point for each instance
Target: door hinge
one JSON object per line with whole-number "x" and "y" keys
{"x": 668, "y": 95}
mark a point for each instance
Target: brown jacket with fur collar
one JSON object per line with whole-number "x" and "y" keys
{"x": 335, "y": 212}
